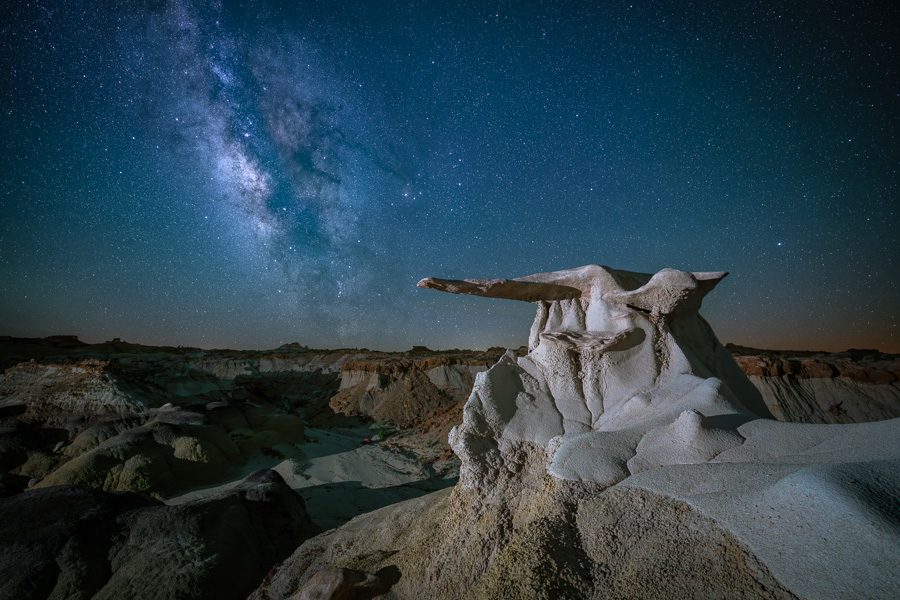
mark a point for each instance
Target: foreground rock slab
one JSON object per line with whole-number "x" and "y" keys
{"x": 73, "y": 542}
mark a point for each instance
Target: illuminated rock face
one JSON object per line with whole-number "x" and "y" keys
{"x": 609, "y": 351}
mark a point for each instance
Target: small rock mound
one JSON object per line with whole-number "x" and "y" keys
{"x": 347, "y": 584}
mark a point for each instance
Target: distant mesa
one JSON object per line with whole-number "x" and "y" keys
{"x": 62, "y": 341}
{"x": 65, "y": 340}
{"x": 293, "y": 346}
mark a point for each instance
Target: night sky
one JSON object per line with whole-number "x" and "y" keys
{"x": 224, "y": 176}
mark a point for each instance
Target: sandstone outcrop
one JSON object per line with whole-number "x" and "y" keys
{"x": 408, "y": 391}
{"x": 811, "y": 387}
{"x": 66, "y": 395}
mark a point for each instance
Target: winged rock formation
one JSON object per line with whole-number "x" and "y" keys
{"x": 609, "y": 351}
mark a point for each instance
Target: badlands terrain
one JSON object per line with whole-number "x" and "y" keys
{"x": 623, "y": 453}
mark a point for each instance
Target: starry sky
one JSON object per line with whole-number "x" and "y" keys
{"x": 222, "y": 175}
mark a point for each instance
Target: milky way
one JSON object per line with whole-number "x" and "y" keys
{"x": 217, "y": 174}
{"x": 283, "y": 150}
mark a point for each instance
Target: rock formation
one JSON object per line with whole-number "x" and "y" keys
{"x": 610, "y": 459}
{"x": 612, "y": 354}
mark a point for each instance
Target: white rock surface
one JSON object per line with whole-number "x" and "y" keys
{"x": 338, "y": 478}
{"x": 608, "y": 350}
{"x": 816, "y": 503}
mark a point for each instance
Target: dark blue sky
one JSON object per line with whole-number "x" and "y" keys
{"x": 183, "y": 173}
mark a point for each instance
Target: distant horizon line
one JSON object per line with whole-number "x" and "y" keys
{"x": 77, "y": 338}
